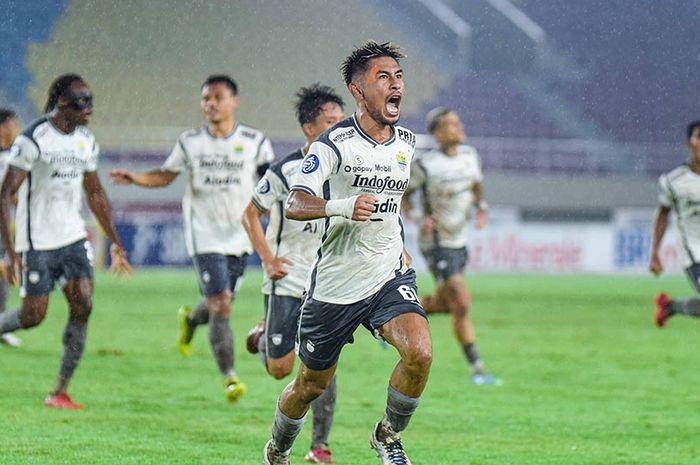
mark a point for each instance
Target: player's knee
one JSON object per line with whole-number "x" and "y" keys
{"x": 31, "y": 319}
{"x": 419, "y": 358}
{"x": 312, "y": 388}
{"x": 279, "y": 370}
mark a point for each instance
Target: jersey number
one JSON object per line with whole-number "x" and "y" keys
{"x": 407, "y": 293}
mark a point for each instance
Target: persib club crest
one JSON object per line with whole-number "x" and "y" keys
{"x": 238, "y": 148}
{"x": 311, "y": 164}
{"x": 401, "y": 159}
{"x": 263, "y": 186}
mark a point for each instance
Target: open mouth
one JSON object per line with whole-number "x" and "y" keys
{"x": 393, "y": 105}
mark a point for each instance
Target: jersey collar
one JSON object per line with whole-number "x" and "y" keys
{"x": 369, "y": 138}
{"x": 227, "y": 136}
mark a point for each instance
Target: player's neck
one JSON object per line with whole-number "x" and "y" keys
{"x": 695, "y": 164}
{"x": 62, "y": 124}
{"x": 222, "y": 128}
{"x": 379, "y": 132}
{"x": 450, "y": 150}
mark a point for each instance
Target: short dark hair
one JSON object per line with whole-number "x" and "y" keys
{"x": 434, "y": 116}
{"x": 6, "y": 115}
{"x": 311, "y": 99}
{"x": 222, "y": 79}
{"x": 357, "y": 61}
{"x": 691, "y": 128}
{"x": 60, "y": 88}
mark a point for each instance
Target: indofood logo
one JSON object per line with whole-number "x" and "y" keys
{"x": 380, "y": 185}
{"x": 401, "y": 159}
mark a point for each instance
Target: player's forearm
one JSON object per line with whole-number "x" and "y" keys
{"x": 5, "y": 207}
{"x": 253, "y": 227}
{"x": 302, "y": 206}
{"x": 155, "y": 178}
{"x": 99, "y": 204}
{"x": 660, "y": 225}
{"x": 479, "y": 197}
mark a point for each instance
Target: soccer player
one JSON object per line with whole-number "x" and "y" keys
{"x": 222, "y": 161}
{"x": 9, "y": 129}
{"x": 679, "y": 191}
{"x": 353, "y": 177}
{"x": 450, "y": 181}
{"x": 51, "y": 163}
{"x": 288, "y": 249}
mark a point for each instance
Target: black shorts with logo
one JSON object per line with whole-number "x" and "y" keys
{"x": 281, "y": 324}
{"x": 444, "y": 262}
{"x": 324, "y": 328}
{"x": 42, "y": 268}
{"x": 218, "y": 272}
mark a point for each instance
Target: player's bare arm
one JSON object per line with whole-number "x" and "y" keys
{"x": 99, "y": 204}
{"x": 660, "y": 225}
{"x": 481, "y": 206}
{"x": 13, "y": 179}
{"x": 154, "y": 178}
{"x": 302, "y": 206}
{"x": 274, "y": 266}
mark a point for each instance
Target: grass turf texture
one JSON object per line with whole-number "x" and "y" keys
{"x": 588, "y": 380}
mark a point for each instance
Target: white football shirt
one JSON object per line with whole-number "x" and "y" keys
{"x": 446, "y": 184}
{"x": 357, "y": 258}
{"x": 50, "y": 199}
{"x": 679, "y": 190}
{"x": 222, "y": 175}
{"x": 297, "y": 241}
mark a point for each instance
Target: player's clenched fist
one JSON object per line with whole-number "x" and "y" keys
{"x": 364, "y": 207}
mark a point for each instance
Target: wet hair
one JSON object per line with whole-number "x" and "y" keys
{"x": 6, "y": 115}
{"x": 357, "y": 61}
{"x": 222, "y": 79}
{"x": 311, "y": 99}
{"x": 60, "y": 87}
{"x": 691, "y": 128}
{"x": 434, "y": 117}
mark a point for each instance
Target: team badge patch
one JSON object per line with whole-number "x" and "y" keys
{"x": 276, "y": 339}
{"x": 311, "y": 164}
{"x": 401, "y": 159}
{"x": 238, "y": 148}
{"x": 263, "y": 187}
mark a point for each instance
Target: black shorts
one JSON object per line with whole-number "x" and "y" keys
{"x": 324, "y": 328}
{"x": 693, "y": 272}
{"x": 281, "y": 324}
{"x": 42, "y": 268}
{"x": 445, "y": 262}
{"x": 218, "y": 272}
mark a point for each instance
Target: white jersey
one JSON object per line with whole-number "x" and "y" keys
{"x": 446, "y": 184}
{"x": 222, "y": 175}
{"x": 679, "y": 190}
{"x": 4, "y": 159}
{"x": 50, "y": 199}
{"x": 296, "y": 240}
{"x": 357, "y": 258}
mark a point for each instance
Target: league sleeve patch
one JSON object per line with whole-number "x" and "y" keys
{"x": 310, "y": 164}
{"x": 263, "y": 187}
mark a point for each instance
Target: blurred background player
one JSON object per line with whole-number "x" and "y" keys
{"x": 353, "y": 177}
{"x": 679, "y": 191}
{"x": 51, "y": 163}
{"x": 288, "y": 249}
{"x": 222, "y": 161}
{"x": 450, "y": 181}
{"x": 9, "y": 128}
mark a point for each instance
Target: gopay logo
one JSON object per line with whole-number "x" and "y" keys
{"x": 311, "y": 164}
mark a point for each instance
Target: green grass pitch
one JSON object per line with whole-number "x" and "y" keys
{"x": 588, "y": 380}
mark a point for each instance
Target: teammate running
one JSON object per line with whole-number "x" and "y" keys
{"x": 450, "y": 181}
{"x": 353, "y": 177}
{"x": 222, "y": 160}
{"x": 680, "y": 192}
{"x": 51, "y": 163}
{"x": 288, "y": 250}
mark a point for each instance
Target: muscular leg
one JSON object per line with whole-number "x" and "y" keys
{"x": 31, "y": 313}
{"x": 294, "y": 402}
{"x": 78, "y": 292}
{"x": 323, "y": 408}
{"x": 410, "y": 335}
{"x": 279, "y": 368}
{"x": 220, "y": 334}
{"x": 200, "y": 314}
{"x": 434, "y": 303}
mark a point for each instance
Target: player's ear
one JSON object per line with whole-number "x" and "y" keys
{"x": 306, "y": 127}
{"x": 355, "y": 90}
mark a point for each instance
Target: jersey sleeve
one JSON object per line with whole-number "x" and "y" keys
{"x": 265, "y": 153}
{"x": 665, "y": 195}
{"x": 94, "y": 156}
{"x": 177, "y": 161}
{"x": 269, "y": 190}
{"x": 320, "y": 162}
{"x": 23, "y": 153}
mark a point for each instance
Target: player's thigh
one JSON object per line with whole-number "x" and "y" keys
{"x": 235, "y": 267}
{"x": 281, "y": 324}
{"x": 397, "y": 297}
{"x": 445, "y": 262}
{"x": 693, "y": 273}
{"x": 212, "y": 271}
{"x": 325, "y": 328}
{"x": 40, "y": 270}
